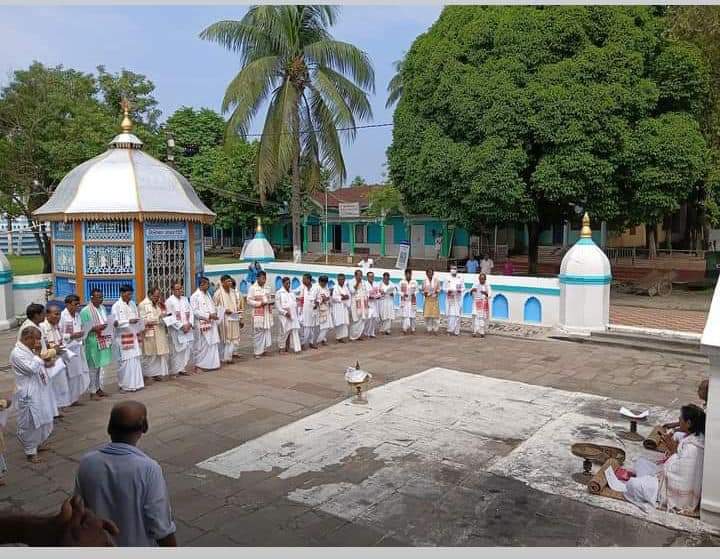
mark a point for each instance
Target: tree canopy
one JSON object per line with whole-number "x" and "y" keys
{"x": 54, "y": 118}
{"x": 514, "y": 114}
{"x": 316, "y": 87}
{"x": 222, "y": 174}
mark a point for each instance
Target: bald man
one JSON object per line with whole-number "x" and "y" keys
{"x": 121, "y": 483}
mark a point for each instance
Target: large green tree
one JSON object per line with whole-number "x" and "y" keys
{"x": 222, "y": 175}
{"x": 52, "y": 119}
{"x": 520, "y": 114}
{"x": 316, "y": 88}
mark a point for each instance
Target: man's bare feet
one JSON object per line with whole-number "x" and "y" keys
{"x": 34, "y": 459}
{"x": 102, "y": 394}
{"x": 95, "y": 397}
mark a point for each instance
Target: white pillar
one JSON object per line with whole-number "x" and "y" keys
{"x": 7, "y": 307}
{"x": 710, "y": 504}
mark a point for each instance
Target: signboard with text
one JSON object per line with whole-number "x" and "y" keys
{"x": 349, "y": 210}
{"x": 403, "y": 255}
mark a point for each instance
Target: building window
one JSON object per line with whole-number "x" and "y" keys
{"x": 360, "y": 233}
{"x": 314, "y": 233}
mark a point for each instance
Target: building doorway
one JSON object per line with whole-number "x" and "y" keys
{"x": 417, "y": 248}
{"x": 337, "y": 237}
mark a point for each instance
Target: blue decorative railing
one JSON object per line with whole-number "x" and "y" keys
{"x": 110, "y": 287}
{"x": 63, "y": 287}
{"x": 108, "y": 230}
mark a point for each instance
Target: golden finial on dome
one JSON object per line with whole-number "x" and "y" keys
{"x": 258, "y": 229}
{"x": 586, "y": 232}
{"x": 127, "y": 124}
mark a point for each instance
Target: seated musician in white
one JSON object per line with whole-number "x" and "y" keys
{"x": 675, "y": 483}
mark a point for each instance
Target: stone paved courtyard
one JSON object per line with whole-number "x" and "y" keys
{"x": 197, "y": 418}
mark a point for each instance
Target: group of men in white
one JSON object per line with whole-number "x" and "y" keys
{"x": 365, "y": 307}
{"x": 61, "y": 355}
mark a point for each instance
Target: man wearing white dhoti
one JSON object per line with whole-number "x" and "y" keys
{"x": 386, "y": 304}
{"x": 408, "y": 302}
{"x": 33, "y": 395}
{"x": 481, "y": 305}
{"x": 359, "y": 308}
{"x": 206, "y": 353}
{"x": 52, "y": 337}
{"x": 340, "y": 299}
{"x": 77, "y": 368}
{"x": 231, "y": 321}
{"x": 308, "y": 303}
{"x": 374, "y": 298}
{"x": 35, "y": 317}
{"x": 128, "y": 326}
{"x": 156, "y": 349}
{"x": 181, "y": 332}
{"x": 454, "y": 288}
{"x": 286, "y": 305}
{"x": 260, "y": 298}
{"x": 676, "y": 484}
{"x": 325, "y": 322}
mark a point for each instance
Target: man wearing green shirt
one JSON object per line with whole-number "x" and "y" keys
{"x": 98, "y": 342}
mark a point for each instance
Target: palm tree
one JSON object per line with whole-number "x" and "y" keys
{"x": 316, "y": 88}
{"x": 395, "y": 86}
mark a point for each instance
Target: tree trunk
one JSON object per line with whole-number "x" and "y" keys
{"x": 296, "y": 209}
{"x": 533, "y": 243}
{"x": 47, "y": 253}
{"x": 651, "y": 230}
{"x": 667, "y": 225}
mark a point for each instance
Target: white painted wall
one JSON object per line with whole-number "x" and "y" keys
{"x": 517, "y": 289}
{"x": 29, "y": 289}
{"x": 710, "y": 343}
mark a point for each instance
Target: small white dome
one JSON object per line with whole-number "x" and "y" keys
{"x": 585, "y": 262}
{"x": 585, "y": 258}
{"x": 259, "y": 249}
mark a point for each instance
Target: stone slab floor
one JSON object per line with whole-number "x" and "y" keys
{"x": 443, "y": 501}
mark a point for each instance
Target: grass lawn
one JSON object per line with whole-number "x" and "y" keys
{"x": 25, "y": 265}
{"x": 221, "y": 260}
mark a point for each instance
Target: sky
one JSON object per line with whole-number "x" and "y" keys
{"x": 162, "y": 43}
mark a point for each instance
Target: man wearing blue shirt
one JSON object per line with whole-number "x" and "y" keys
{"x": 471, "y": 266}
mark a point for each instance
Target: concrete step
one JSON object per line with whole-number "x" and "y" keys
{"x": 682, "y": 344}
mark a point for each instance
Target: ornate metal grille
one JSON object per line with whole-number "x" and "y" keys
{"x": 165, "y": 264}
{"x": 64, "y": 259}
{"x": 108, "y": 230}
{"x": 109, "y": 260}
{"x": 63, "y": 231}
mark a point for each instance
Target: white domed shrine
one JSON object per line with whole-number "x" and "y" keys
{"x": 124, "y": 217}
{"x": 585, "y": 277}
{"x": 258, "y": 249}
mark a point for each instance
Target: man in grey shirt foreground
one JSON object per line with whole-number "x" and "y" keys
{"x": 121, "y": 483}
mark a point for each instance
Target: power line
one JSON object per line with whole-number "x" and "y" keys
{"x": 384, "y": 124}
